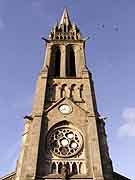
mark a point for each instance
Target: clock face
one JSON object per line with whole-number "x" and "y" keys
{"x": 65, "y": 109}
{"x": 65, "y": 142}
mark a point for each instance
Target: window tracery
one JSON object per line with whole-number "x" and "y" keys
{"x": 64, "y": 145}
{"x": 72, "y": 167}
{"x": 64, "y": 142}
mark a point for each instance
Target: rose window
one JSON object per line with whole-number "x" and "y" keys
{"x": 64, "y": 142}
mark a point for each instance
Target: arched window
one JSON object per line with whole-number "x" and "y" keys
{"x": 70, "y": 62}
{"x": 63, "y": 91}
{"x": 54, "y": 67}
{"x": 53, "y": 168}
{"x": 72, "y": 91}
{"x": 68, "y": 168}
{"x": 74, "y": 168}
{"x": 81, "y": 91}
{"x": 60, "y": 167}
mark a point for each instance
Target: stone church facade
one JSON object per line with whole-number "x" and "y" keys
{"x": 64, "y": 137}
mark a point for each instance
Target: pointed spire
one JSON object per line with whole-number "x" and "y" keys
{"x": 65, "y": 18}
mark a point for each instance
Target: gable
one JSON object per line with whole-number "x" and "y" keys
{"x": 76, "y": 117}
{"x": 10, "y": 176}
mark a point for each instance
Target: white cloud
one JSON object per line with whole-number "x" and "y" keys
{"x": 1, "y": 23}
{"x": 128, "y": 126}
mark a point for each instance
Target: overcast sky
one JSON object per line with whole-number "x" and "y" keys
{"x": 110, "y": 51}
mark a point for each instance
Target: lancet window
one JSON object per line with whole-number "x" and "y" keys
{"x": 72, "y": 167}
{"x": 81, "y": 91}
{"x": 63, "y": 91}
{"x": 70, "y": 62}
{"x": 72, "y": 92}
{"x": 54, "y": 69}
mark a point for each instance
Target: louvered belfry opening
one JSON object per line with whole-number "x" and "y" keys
{"x": 70, "y": 62}
{"x": 54, "y": 68}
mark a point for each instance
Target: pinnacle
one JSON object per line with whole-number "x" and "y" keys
{"x": 65, "y": 18}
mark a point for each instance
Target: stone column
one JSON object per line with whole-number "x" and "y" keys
{"x": 79, "y": 58}
{"x": 47, "y": 56}
{"x": 57, "y": 163}
{"x": 78, "y": 171}
{"x": 70, "y": 164}
{"x": 63, "y": 61}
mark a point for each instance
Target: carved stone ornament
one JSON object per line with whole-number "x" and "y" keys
{"x": 64, "y": 142}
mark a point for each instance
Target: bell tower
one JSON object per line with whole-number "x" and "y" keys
{"x": 64, "y": 136}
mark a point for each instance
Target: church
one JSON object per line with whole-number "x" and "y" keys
{"x": 64, "y": 137}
